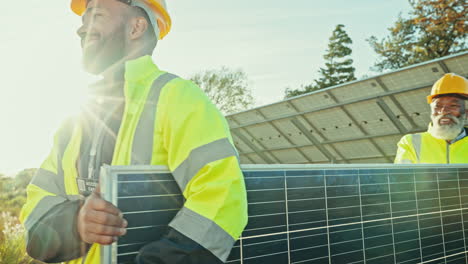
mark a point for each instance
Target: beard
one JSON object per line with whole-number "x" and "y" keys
{"x": 105, "y": 52}
{"x": 446, "y": 131}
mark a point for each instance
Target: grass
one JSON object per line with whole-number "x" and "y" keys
{"x": 12, "y": 248}
{"x": 12, "y": 197}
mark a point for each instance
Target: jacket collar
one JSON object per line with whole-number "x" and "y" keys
{"x": 461, "y": 136}
{"x": 131, "y": 71}
{"x": 139, "y": 69}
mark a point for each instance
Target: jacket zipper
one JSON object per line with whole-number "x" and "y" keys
{"x": 95, "y": 154}
{"x": 97, "y": 142}
{"x": 448, "y": 152}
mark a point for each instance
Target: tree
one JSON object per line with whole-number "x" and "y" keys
{"x": 23, "y": 178}
{"x": 227, "y": 88}
{"x": 288, "y": 93}
{"x": 434, "y": 28}
{"x": 338, "y": 64}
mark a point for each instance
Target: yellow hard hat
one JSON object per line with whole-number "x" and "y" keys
{"x": 450, "y": 83}
{"x": 157, "y": 6}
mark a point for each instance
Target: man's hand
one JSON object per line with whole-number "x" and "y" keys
{"x": 100, "y": 221}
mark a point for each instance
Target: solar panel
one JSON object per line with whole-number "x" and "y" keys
{"x": 337, "y": 120}
{"x": 314, "y": 213}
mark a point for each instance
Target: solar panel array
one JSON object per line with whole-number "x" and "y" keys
{"x": 355, "y": 122}
{"x": 315, "y": 213}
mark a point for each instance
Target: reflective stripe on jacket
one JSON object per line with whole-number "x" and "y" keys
{"x": 166, "y": 121}
{"x": 424, "y": 148}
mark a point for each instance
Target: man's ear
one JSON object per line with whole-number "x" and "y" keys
{"x": 138, "y": 25}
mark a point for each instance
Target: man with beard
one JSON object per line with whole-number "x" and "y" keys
{"x": 139, "y": 115}
{"x": 446, "y": 140}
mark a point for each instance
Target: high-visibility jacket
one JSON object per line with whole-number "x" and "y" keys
{"x": 424, "y": 148}
{"x": 166, "y": 121}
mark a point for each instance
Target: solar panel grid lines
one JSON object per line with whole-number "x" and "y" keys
{"x": 362, "y": 220}
{"x": 327, "y": 220}
{"x": 335, "y": 214}
{"x": 417, "y": 216}
{"x": 441, "y": 220}
{"x": 391, "y": 218}
{"x": 463, "y": 220}
{"x": 287, "y": 218}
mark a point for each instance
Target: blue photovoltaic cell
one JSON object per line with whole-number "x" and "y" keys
{"x": 322, "y": 215}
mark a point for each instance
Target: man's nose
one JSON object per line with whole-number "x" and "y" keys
{"x": 81, "y": 32}
{"x": 445, "y": 110}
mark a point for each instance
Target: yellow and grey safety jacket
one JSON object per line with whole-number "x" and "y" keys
{"x": 424, "y": 148}
{"x": 165, "y": 120}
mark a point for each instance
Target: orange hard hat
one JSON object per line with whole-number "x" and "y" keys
{"x": 450, "y": 83}
{"x": 157, "y": 6}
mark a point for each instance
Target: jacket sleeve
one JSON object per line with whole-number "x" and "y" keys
{"x": 49, "y": 215}
{"x": 405, "y": 152}
{"x": 205, "y": 165}
{"x": 175, "y": 248}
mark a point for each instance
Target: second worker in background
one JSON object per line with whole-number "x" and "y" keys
{"x": 446, "y": 140}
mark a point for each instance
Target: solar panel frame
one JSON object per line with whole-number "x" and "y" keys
{"x": 340, "y": 195}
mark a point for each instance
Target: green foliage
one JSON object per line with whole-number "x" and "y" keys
{"x": 23, "y": 178}
{"x": 338, "y": 64}
{"x": 433, "y": 29}
{"x": 12, "y": 248}
{"x": 288, "y": 93}
{"x": 228, "y": 89}
{"x": 12, "y": 198}
{"x": 13, "y": 191}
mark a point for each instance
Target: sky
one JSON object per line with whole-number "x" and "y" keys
{"x": 278, "y": 44}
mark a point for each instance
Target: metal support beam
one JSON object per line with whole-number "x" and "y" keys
{"x": 339, "y": 154}
{"x": 238, "y": 123}
{"x": 261, "y": 145}
{"x": 396, "y": 122}
{"x": 329, "y": 142}
{"x": 252, "y": 146}
{"x": 380, "y": 150}
{"x": 397, "y": 104}
{"x": 348, "y": 114}
{"x": 330, "y": 106}
{"x": 312, "y": 139}
{"x": 389, "y": 158}
{"x": 317, "y": 131}
{"x": 258, "y": 142}
{"x": 284, "y": 136}
{"x": 376, "y": 146}
{"x": 307, "y": 120}
{"x": 247, "y": 157}
{"x": 443, "y": 66}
